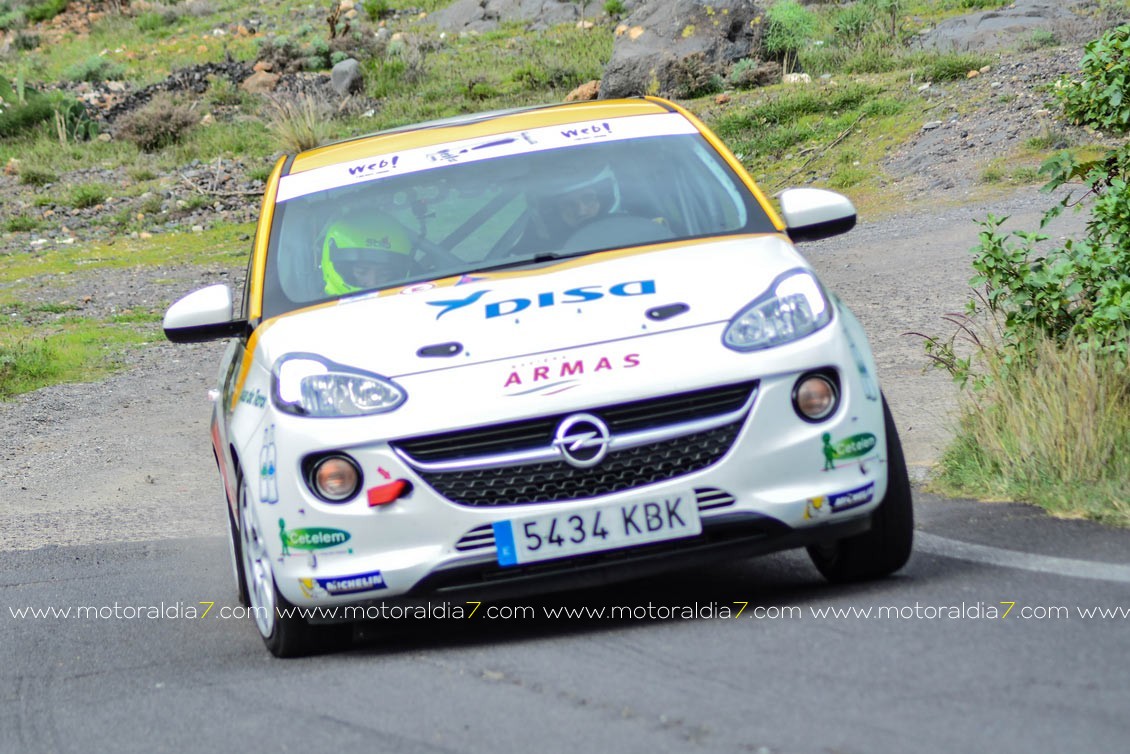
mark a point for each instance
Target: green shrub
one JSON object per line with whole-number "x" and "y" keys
{"x": 952, "y": 66}
{"x": 694, "y": 76}
{"x": 156, "y": 23}
{"x": 376, "y": 9}
{"x": 748, "y": 73}
{"x": 12, "y": 19}
{"x": 95, "y": 69}
{"x": 87, "y": 195}
{"x": 1100, "y": 98}
{"x": 161, "y": 123}
{"x": 25, "y": 41}
{"x": 852, "y": 23}
{"x": 46, "y": 10}
{"x": 21, "y": 224}
{"x": 1055, "y": 432}
{"x": 789, "y": 28}
{"x": 615, "y": 7}
{"x": 1038, "y": 39}
{"x": 36, "y": 176}
{"x": 26, "y": 109}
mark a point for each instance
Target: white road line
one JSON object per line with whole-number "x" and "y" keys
{"x": 1079, "y": 569}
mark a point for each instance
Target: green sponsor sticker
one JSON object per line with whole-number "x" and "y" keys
{"x": 855, "y": 446}
{"x": 317, "y": 538}
{"x": 851, "y": 447}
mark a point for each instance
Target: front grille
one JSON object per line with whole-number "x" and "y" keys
{"x": 538, "y": 433}
{"x": 557, "y": 481}
{"x": 482, "y": 537}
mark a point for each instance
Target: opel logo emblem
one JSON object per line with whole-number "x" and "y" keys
{"x": 583, "y": 440}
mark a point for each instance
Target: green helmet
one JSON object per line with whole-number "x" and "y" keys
{"x": 363, "y": 252}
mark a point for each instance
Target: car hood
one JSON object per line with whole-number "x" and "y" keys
{"x": 505, "y": 316}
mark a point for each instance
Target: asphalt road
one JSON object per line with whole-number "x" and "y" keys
{"x": 108, "y": 501}
{"x": 936, "y": 672}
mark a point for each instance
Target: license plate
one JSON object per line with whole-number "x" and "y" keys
{"x": 608, "y": 527}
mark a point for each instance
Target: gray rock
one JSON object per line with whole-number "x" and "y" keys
{"x": 346, "y": 77}
{"x": 485, "y": 15}
{"x": 1009, "y": 27}
{"x": 675, "y": 48}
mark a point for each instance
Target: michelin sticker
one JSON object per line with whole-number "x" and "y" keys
{"x": 852, "y": 498}
{"x": 333, "y": 587}
{"x": 825, "y": 505}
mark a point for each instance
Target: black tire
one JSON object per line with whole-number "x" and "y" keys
{"x": 886, "y": 547}
{"x": 284, "y": 632}
{"x": 236, "y": 551}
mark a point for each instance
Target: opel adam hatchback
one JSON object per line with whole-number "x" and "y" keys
{"x": 534, "y": 350}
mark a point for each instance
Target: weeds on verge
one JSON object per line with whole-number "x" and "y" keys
{"x": 299, "y": 123}
{"x": 1054, "y": 431}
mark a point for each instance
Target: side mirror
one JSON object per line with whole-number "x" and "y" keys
{"x": 812, "y": 214}
{"x": 205, "y": 314}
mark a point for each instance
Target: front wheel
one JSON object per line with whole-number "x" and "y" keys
{"x": 886, "y": 547}
{"x": 285, "y": 633}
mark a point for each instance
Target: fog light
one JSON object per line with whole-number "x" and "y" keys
{"x": 815, "y": 397}
{"x": 335, "y": 479}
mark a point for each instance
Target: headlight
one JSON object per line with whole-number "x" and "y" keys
{"x": 307, "y": 385}
{"x": 793, "y": 307}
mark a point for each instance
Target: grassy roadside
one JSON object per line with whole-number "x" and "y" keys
{"x": 46, "y": 343}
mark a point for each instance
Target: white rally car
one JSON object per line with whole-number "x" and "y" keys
{"x": 533, "y": 350}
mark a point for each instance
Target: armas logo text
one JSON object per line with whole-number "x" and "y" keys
{"x": 570, "y": 368}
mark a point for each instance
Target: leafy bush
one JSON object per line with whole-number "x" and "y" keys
{"x": 1076, "y": 293}
{"x": 1100, "y": 98}
{"x": 162, "y": 122}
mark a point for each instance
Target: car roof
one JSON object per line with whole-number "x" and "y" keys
{"x": 472, "y": 126}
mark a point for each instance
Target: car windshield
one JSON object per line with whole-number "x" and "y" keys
{"x": 494, "y": 203}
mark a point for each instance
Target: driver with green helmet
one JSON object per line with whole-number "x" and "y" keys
{"x": 363, "y": 251}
